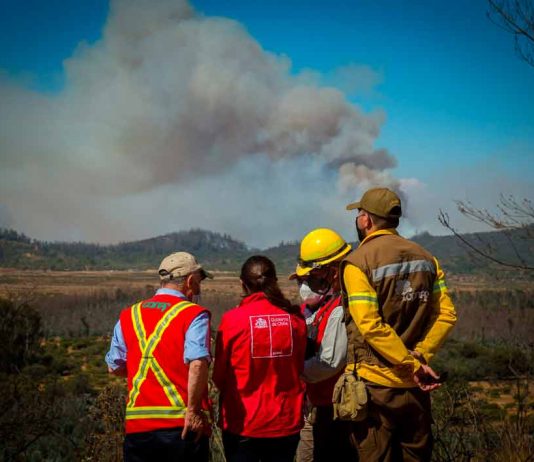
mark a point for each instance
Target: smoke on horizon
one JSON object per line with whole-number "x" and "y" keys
{"x": 174, "y": 120}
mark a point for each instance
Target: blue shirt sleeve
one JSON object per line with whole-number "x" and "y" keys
{"x": 197, "y": 339}
{"x": 116, "y": 356}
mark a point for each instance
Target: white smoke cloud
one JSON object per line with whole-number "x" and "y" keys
{"x": 174, "y": 120}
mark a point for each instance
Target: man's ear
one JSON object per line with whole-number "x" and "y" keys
{"x": 193, "y": 283}
{"x": 187, "y": 282}
{"x": 370, "y": 222}
{"x": 187, "y": 290}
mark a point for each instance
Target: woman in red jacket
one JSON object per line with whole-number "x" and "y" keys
{"x": 258, "y": 360}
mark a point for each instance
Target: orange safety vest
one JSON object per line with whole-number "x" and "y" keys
{"x": 154, "y": 332}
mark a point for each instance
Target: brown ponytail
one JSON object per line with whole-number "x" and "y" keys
{"x": 258, "y": 274}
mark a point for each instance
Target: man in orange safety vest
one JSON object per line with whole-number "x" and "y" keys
{"x": 162, "y": 346}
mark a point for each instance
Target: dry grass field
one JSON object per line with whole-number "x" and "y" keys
{"x": 18, "y": 282}
{"x": 78, "y": 303}
{"x": 494, "y": 311}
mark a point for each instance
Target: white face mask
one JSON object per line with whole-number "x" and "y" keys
{"x": 195, "y": 299}
{"x": 308, "y": 296}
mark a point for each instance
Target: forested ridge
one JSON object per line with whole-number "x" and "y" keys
{"x": 225, "y": 253}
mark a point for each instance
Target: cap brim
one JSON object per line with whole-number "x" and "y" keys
{"x": 354, "y": 205}
{"x": 206, "y": 274}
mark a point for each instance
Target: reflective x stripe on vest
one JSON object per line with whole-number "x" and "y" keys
{"x": 177, "y": 407}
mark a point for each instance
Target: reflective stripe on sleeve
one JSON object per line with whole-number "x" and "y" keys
{"x": 439, "y": 286}
{"x": 363, "y": 297}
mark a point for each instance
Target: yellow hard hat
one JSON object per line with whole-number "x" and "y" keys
{"x": 320, "y": 247}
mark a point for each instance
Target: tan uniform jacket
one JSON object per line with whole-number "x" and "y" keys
{"x": 395, "y": 300}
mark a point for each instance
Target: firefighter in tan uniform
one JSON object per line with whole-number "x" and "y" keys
{"x": 398, "y": 313}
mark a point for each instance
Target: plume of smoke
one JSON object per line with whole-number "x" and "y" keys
{"x": 170, "y": 102}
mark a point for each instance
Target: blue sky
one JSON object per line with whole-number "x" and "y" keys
{"x": 453, "y": 89}
{"x": 458, "y": 102}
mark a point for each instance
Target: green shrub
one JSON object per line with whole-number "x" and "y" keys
{"x": 20, "y": 332}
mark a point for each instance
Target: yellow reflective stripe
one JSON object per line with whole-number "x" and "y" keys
{"x": 162, "y": 324}
{"x": 137, "y": 381}
{"x": 139, "y": 327}
{"x": 150, "y": 346}
{"x": 363, "y": 297}
{"x": 155, "y": 412}
{"x": 140, "y": 332}
{"x": 152, "y": 342}
{"x": 160, "y": 412}
{"x": 168, "y": 387}
{"x": 439, "y": 286}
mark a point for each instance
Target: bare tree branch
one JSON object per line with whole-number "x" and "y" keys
{"x": 516, "y": 17}
{"x": 512, "y": 213}
{"x": 445, "y": 221}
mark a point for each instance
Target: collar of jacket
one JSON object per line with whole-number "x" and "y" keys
{"x": 256, "y": 296}
{"x": 380, "y": 232}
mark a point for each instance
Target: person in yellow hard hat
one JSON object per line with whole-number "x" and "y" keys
{"x": 399, "y": 312}
{"x": 317, "y": 274}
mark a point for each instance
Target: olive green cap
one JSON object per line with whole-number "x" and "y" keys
{"x": 379, "y": 201}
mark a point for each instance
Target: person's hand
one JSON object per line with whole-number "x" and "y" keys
{"x": 426, "y": 378}
{"x": 120, "y": 371}
{"x": 197, "y": 422}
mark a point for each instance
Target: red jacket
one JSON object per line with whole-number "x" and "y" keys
{"x": 258, "y": 360}
{"x": 155, "y": 356}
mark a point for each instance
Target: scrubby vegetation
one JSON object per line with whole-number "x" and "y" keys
{"x": 44, "y": 395}
{"x": 58, "y": 402}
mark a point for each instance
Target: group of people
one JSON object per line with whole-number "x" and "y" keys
{"x": 377, "y": 313}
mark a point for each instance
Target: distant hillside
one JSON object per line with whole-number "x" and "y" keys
{"x": 222, "y": 252}
{"x": 19, "y": 251}
{"x": 454, "y": 256}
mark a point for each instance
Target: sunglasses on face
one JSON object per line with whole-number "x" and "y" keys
{"x": 318, "y": 280}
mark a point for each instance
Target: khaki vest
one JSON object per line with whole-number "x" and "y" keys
{"x": 402, "y": 273}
